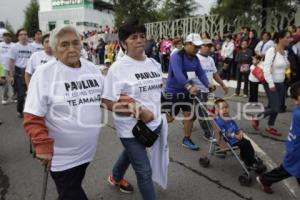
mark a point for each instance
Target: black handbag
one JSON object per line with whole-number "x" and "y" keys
{"x": 144, "y": 134}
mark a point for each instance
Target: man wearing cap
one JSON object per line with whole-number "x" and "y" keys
{"x": 180, "y": 88}
{"x": 209, "y": 67}
{"x": 4, "y": 58}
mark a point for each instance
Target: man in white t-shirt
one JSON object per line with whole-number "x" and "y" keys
{"x": 63, "y": 114}
{"x": 4, "y": 57}
{"x": 19, "y": 55}
{"x": 37, "y": 44}
{"x": 209, "y": 67}
{"x": 38, "y": 58}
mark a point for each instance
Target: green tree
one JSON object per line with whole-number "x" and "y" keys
{"x": 144, "y": 10}
{"x": 31, "y": 17}
{"x": 251, "y": 10}
{"x": 176, "y": 9}
{"x": 9, "y": 27}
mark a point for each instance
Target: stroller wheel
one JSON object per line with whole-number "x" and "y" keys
{"x": 245, "y": 180}
{"x": 204, "y": 162}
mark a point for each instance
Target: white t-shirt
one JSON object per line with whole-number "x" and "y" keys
{"x": 4, "y": 54}
{"x": 69, "y": 99}
{"x": 21, "y": 54}
{"x": 262, "y": 48}
{"x": 37, "y": 58}
{"x": 209, "y": 67}
{"x": 37, "y": 46}
{"x": 141, "y": 80}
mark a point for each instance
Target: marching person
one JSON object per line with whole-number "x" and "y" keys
{"x": 38, "y": 58}
{"x": 4, "y": 57}
{"x": 37, "y": 43}
{"x": 275, "y": 65}
{"x": 62, "y": 113}
{"x": 209, "y": 67}
{"x": 133, "y": 91}
{"x": 184, "y": 64}
{"x": 19, "y": 55}
{"x": 291, "y": 163}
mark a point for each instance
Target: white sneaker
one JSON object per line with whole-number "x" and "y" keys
{"x": 4, "y": 102}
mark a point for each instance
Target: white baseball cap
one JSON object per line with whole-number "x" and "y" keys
{"x": 194, "y": 38}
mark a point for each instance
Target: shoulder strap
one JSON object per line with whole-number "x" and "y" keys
{"x": 275, "y": 52}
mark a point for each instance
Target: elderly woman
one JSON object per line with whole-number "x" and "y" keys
{"x": 62, "y": 113}
{"x": 133, "y": 91}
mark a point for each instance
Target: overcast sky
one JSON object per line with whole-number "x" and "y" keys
{"x": 15, "y": 14}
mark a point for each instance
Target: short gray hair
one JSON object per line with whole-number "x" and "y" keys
{"x": 57, "y": 32}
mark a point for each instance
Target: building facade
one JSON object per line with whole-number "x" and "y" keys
{"x": 85, "y": 15}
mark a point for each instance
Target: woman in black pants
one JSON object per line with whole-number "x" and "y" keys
{"x": 243, "y": 60}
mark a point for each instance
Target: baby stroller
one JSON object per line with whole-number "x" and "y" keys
{"x": 216, "y": 137}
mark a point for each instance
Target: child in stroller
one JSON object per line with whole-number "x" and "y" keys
{"x": 227, "y": 133}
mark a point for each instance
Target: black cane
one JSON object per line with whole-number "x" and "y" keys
{"x": 45, "y": 182}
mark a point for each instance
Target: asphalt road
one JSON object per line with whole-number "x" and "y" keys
{"x": 21, "y": 176}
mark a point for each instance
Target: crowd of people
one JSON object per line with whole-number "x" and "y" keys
{"x": 61, "y": 94}
{"x": 100, "y": 30}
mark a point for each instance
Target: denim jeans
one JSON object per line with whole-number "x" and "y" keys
{"x": 275, "y": 98}
{"x": 135, "y": 153}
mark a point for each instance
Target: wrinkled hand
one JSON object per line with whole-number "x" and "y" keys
{"x": 194, "y": 91}
{"x": 45, "y": 159}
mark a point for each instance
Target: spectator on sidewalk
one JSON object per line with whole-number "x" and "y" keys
{"x": 265, "y": 43}
{"x": 254, "y": 82}
{"x": 227, "y": 57}
{"x": 243, "y": 60}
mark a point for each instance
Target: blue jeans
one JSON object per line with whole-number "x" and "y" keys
{"x": 135, "y": 154}
{"x": 275, "y": 98}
